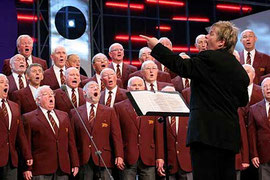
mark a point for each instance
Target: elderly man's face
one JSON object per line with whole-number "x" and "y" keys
{"x": 166, "y": 43}
{"x": 117, "y": 54}
{"x": 4, "y": 87}
{"x": 74, "y": 62}
{"x": 35, "y": 76}
{"x": 25, "y": 47}
{"x": 248, "y": 40}
{"x": 73, "y": 78}
{"x": 59, "y": 57}
{"x": 92, "y": 93}
{"x": 146, "y": 55}
{"x": 150, "y": 72}
{"x": 109, "y": 79}
{"x": 201, "y": 44}
{"x": 266, "y": 89}
{"x": 19, "y": 65}
{"x": 136, "y": 84}
{"x": 46, "y": 99}
{"x": 101, "y": 62}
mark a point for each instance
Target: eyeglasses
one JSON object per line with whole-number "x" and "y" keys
{"x": 150, "y": 68}
{"x": 48, "y": 94}
{"x": 117, "y": 50}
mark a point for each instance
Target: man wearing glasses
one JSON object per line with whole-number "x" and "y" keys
{"x": 116, "y": 53}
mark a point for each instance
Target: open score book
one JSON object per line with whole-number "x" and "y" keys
{"x": 158, "y": 103}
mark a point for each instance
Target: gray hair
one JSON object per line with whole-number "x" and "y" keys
{"x": 114, "y": 44}
{"x": 3, "y": 75}
{"x": 38, "y": 92}
{"x": 247, "y": 30}
{"x": 133, "y": 78}
{"x": 198, "y": 37}
{"x": 147, "y": 62}
{"x": 21, "y": 37}
{"x": 98, "y": 54}
{"x": 11, "y": 62}
{"x": 164, "y": 39}
{"x": 85, "y": 87}
{"x": 142, "y": 50}
{"x": 57, "y": 47}
{"x": 106, "y": 69}
{"x": 69, "y": 69}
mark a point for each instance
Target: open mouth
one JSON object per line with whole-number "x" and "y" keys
{"x": 103, "y": 65}
{"x": 110, "y": 82}
{"x": 61, "y": 60}
{"x": 21, "y": 66}
{"x": 95, "y": 94}
{"x": 51, "y": 101}
{"x": 26, "y": 49}
{"x": 151, "y": 75}
{"x": 6, "y": 90}
{"x": 74, "y": 81}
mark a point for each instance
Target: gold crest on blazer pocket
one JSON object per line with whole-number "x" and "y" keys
{"x": 262, "y": 69}
{"x": 150, "y": 122}
{"x": 18, "y": 121}
{"x": 104, "y": 125}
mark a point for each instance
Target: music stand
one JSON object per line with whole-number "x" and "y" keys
{"x": 159, "y": 103}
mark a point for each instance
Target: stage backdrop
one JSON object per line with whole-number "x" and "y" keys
{"x": 69, "y": 27}
{"x": 8, "y": 30}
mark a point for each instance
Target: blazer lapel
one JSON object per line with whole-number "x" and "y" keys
{"x": 133, "y": 115}
{"x": 83, "y": 113}
{"x": 102, "y": 98}
{"x": 262, "y": 111}
{"x": 13, "y": 120}
{"x": 99, "y": 118}
{"x": 41, "y": 117}
{"x": 81, "y": 97}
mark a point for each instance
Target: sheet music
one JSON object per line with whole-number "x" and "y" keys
{"x": 149, "y": 101}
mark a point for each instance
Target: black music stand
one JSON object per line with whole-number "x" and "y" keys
{"x": 159, "y": 103}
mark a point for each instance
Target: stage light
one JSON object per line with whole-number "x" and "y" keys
{"x": 71, "y": 23}
{"x": 24, "y": 17}
{"x": 163, "y": 28}
{"x": 125, "y": 5}
{"x": 132, "y": 38}
{"x": 168, "y": 3}
{"x": 27, "y": 1}
{"x": 234, "y": 7}
{"x": 195, "y": 19}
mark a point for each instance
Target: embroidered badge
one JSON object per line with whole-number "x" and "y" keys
{"x": 104, "y": 125}
{"x": 150, "y": 121}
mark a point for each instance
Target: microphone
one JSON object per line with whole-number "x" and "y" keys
{"x": 98, "y": 152}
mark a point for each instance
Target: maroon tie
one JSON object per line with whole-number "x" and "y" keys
{"x": 248, "y": 58}
{"x": 109, "y": 99}
{"x": 186, "y": 83}
{"x": 5, "y": 112}
{"x": 63, "y": 81}
{"x": 118, "y": 73}
{"x": 152, "y": 87}
{"x": 91, "y": 116}
{"x": 173, "y": 124}
{"x": 26, "y": 61}
{"x": 53, "y": 123}
{"x": 20, "y": 81}
{"x": 102, "y": 85}
{"x": 166, "y": 69}
{"x": 74, "y": 98}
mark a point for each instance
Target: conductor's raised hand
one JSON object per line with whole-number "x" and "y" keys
{"x": 151, "y": 42}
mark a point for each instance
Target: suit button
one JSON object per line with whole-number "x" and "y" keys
{"x": 7, "y": 143}
{"x": 89, "y": 146}
{"x": 177, "y": 152}
{"x": 139, "y": 135}
{"x": 138, "y": 144}
{"x": 176, "y": 142}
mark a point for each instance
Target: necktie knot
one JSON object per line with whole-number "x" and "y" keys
{"x": 3, "y": 100}
{"x": 73, "y": 90}
{"x": 118, "y": 65}
{"x": 61, "y": 70}
{"x": 19, "y": 76}
{"x": 110, "y": 92}
{"x": 92, "y": 105}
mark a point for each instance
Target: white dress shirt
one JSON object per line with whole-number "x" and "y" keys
{"x": 57, "y": 73}
{"x": 113, "y": 95}
{"x": 52, "y": 113}
{"x": 16, "y": 78}
{"x": 148, "y": 87}
{"x": 252, "y": 55}
{"x": 115, "y": 67}
{"x": 176, "y": 122}
{"x": 69, "y": 90}
{"x": 88, "y": 108}
{"x": 9, "y": 112}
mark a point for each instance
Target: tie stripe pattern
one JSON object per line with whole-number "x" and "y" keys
{"x": 20, "y": 81}
{"x": 63, "y": 81}
{"x": 5, "y": 112}
{"x": 173, "y": 124}
{"x": 118, "y": 73}
{"x": 53, "y": 123}
{"x": 74, "y": 98}
{"x": 248, "y": 61}
{"x": 109, "y": 99}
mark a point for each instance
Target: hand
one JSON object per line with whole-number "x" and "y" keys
{"x": 29, "y": 162}
{"x": 119, "y": 162}
{"x": 27, "y": 175}
{"x": 75, "y": 171}
{"x": 256, "y": 162}
{"x": 151, "y": 42}
{"x": 245, "y": 165}
{"x": 159, "y": 166}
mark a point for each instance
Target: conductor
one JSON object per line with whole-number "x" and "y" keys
{"x": 218, "y": 87}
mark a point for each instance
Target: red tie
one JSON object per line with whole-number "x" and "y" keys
{"x": 63, "y": 81}
{"x": 152, "y": 87}
{"x": 53, "y": 123}
{"x": 118, "y": 73}
{"x": 109, "y": 100}
{"x": 26, "y": 61}
{"x": 248, "y": 58}
{"x": 173, "y": 124}
{"x": 5, "y": 112}
{"x": 91, "y": 116}
{"x": 102, "y": 85}
{"x": 20, "y": 81}
{"x": 186, "y": 83}
{"x": 74, "y": 98}
{"x": 166, "y": 69}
